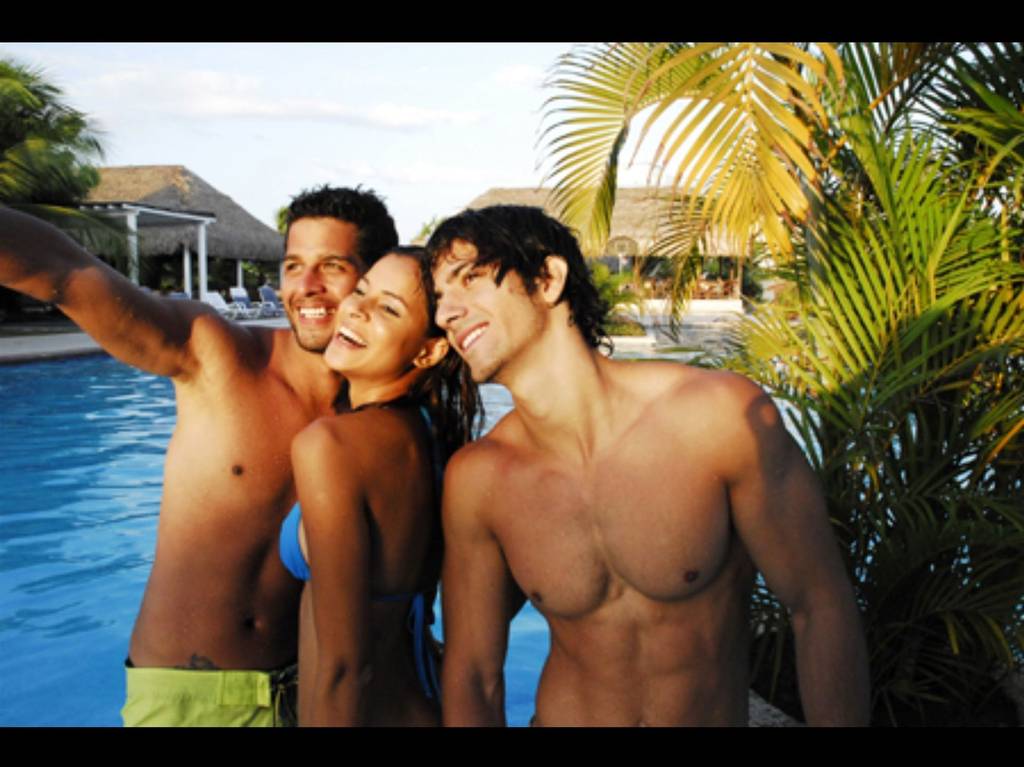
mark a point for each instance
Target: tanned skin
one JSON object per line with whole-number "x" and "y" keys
{"x": 217, "y": 596}
{"x": 633, "y": 504}
{"x": 370, "y": 524}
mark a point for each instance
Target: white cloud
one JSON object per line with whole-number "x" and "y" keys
{"x": 420, "y": 173}
{"x": 519, "y": 76}
{"x": 205, "y": 94}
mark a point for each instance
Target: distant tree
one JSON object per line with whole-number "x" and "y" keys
{"x": 45, "y": 145}
{"x": 427, "y": 229}
{"x": 46, "y": 154}
{"x": 282, "y": 219}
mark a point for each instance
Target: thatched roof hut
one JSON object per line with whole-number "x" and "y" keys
{"x": 236, "y": 234}
{"x": 635, "y": 217}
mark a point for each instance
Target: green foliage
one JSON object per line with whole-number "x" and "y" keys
{"x": 46, "y": 150}
{"x": 904, "y": 376}
{"x": 600, "y": 91}
{"x": 45, "y": 145}
{"x": 427, "y": 229}
{"x": 615, "y": 290}
{"x": 740, "y": 120}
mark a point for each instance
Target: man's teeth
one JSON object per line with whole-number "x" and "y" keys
{"x": 313, "y": 312}
{"x": 471, "y": 338}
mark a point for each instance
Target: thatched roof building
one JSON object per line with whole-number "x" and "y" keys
{"x": 634, "y": 232}
{"x": 236, "y": 234}
{"x": 635, "y": 217}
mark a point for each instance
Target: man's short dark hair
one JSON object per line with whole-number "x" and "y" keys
{"x": 360, "y": 207}
{"x": 518, "y": 238}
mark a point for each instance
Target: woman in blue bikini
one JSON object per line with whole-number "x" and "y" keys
{"x": 368, "y": 537}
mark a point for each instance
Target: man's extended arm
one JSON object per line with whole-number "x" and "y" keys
{"x": 479, "y": 598}
{"x": 781, "y": 517}
{"x": 138, "y": 328}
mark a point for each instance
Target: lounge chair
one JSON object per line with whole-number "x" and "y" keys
{"x": 230, "y": 311}
{"x": 269, "y": 296}
{"x": 240, "y": 297}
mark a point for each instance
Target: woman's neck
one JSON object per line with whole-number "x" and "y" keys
{"x": 362, "y": 392}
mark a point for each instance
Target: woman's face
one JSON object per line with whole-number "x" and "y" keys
{"x": 382, "y": 324}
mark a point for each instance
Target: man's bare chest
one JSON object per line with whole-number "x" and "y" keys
{"x": 643, "y": 524}
{"x": 237, "y": 445}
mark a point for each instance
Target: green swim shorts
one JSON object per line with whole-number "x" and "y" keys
{"x": 171, "y": 697}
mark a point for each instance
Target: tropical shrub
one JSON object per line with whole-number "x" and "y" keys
{"x": 615, "y": 289}
{"x": 903, "y": 376}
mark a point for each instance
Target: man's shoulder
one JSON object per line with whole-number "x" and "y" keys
{"x": 480, "y": 467}
{"x": 678, "y": 387}
{"x": 720, "y": 410}
{"x": 482, "y": 457}
{"x": 221, "y": 344}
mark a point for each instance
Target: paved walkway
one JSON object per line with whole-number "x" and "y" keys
{"x": 32, "y": 346}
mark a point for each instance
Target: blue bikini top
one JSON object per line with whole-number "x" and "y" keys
{"x": 421, "y": 604}
{"x": 288, "y": 541}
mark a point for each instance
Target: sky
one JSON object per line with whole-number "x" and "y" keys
{"x": 429, "y": 126}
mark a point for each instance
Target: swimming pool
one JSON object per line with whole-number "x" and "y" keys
{"x": 81, "y": 466}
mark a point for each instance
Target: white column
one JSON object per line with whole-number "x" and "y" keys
{"x": 238, "y": 274}
{"x": 133, "y": 247}
{"x": 202, "y": 260}
{"x": 186, "y": 267}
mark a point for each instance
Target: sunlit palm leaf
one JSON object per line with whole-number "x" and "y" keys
{"x": 587, "y": 122}
{"x": 679, "y": 241}
{"x": 739, "y": 137}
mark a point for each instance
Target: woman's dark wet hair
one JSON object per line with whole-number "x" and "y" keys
{"x": 447, "y": 389}
{"x": 360, "y": 207}
{"x": 518, "y": 238}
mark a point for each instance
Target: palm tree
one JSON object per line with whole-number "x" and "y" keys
{"x": 45, "y": 145}
{"x": 903, "y": 378}
{"x": 756, "y": 134}
{"x": 738, "y": 141}
{"x": 46, "y": 151}
{"x": 888, "y": 179}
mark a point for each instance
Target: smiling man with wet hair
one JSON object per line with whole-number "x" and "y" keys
{"x": 633, "y": 503}
{"x": 215, "y": 638}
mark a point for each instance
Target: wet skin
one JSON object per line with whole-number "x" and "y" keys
{"x": 633, "y": 503}
{"x": 217, "y": 596}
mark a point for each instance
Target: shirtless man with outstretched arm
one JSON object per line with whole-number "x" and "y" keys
{"x": 218, "y": 597}
{"x": 631, "y": 502}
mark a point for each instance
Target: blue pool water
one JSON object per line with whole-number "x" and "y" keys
{"x": 81, "y": 466}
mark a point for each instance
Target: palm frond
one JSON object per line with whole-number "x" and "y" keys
{"x": 598, "y": 93}
{"x": 740, "y": 134}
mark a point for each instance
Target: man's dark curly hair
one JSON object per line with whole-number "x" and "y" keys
{"x": 360, "y": 207}
{"x": 518, "y": 238}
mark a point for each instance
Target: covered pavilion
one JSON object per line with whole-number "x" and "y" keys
{"x": 168, "y": 209}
